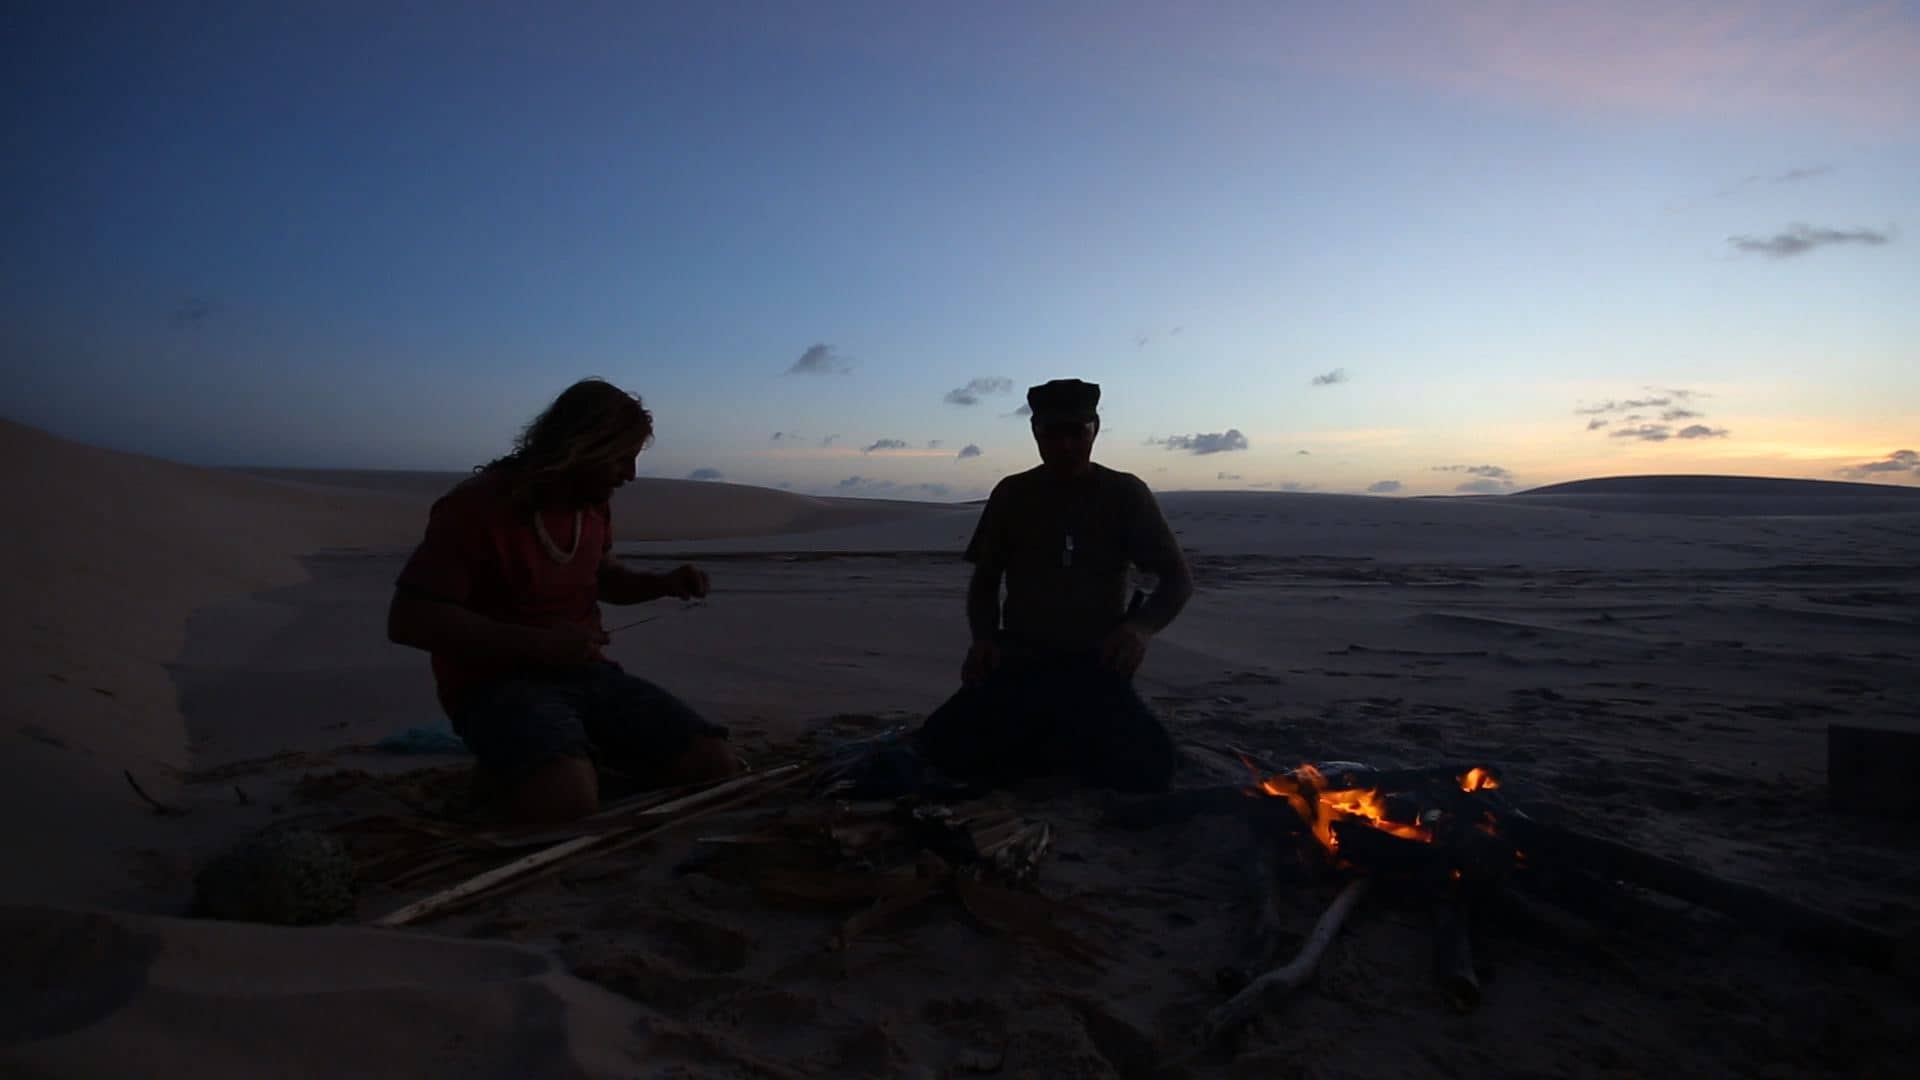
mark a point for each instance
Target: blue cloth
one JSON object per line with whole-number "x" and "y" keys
{"x": 423, "y": 740}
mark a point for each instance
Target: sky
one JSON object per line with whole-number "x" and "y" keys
{"x": 1403, "y": 248}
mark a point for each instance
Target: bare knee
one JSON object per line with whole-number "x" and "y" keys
{"x": 564, "y": 789}
{"x": 707, "y": 757}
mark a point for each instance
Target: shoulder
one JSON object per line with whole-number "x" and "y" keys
{"x": 1124, "y": 483}
{"x": 482, "y": 497}
{"x": 1015, "y": 485}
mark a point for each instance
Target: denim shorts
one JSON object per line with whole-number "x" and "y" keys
{"x": 600, "y": 713}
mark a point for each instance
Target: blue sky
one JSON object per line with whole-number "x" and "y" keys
{"x": 350, "y": 237}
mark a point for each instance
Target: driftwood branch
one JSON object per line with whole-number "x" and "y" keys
{"x": 1242, "y": 1007}
{"x": 547, "y": 858}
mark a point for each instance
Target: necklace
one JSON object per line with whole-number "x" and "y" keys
{"x": 552, "y": 549}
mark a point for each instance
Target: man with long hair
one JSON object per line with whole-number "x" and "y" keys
{"x": 505, "y": 592}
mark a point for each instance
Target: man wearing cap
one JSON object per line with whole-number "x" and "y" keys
{"x": 1048, "y": 681}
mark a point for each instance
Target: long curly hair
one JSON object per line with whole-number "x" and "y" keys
{"x": 591, "y": 423}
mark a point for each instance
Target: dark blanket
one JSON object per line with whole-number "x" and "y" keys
{"x": 1050, "y": 716}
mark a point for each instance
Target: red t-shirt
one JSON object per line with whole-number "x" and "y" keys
{"x": 480, "y": 554}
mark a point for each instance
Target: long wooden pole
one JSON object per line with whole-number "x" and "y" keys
{"x": 539, "y": 860}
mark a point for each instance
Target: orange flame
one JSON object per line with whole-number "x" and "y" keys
{"x": 1306, "y": 791}
{"x": 1478, "y": 779}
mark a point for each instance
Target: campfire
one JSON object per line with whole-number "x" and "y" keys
{"x": 1449, "y": 837}
{"x": 1328, "y": 806}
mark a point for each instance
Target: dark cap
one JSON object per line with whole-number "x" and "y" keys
{"x": 1064, "y": 401}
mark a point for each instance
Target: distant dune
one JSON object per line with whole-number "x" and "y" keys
{"x": 646, "y": 509}
{"x": 1721, "y": 485}
{"x": 1724, "y": 496}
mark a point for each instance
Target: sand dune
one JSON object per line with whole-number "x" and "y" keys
{"x": 1662, "y": 677}
{"x": 114, "y": 554}
{"x": 1724, "y": 496}
{"x": 121, "y": 995}
{"x": 648, "y": 508}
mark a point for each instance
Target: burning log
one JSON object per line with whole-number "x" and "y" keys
{"x": 1242, "y": 1007}
{"x": 1382, "y": 852}
{"x": 1350, "y": 777}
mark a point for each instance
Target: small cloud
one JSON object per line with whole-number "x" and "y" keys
{"x": 1702, "y": 431}
{"x": 191, "y": 312}
{"x": 1671, "y": 402}
{"x": 1640, "y": 403}
{"x": 1140, "y": 340}
{"x": 935, "y": 444}
{"x": 984, "y": 386}
{"x": 829, "y": 440}
{"x": 1384, "y": 487}
{"x": 1226, "y": 476}
{"x": 1805, "y": 172}
{"x": 866, "y": 485}
{"x": 1800, "y": 239}
{"x": 1493, "y": 472}
{"x": 706, "y": 474}
{"x": 778, "y": 435}
{"x": 1485, "y": 487}
{"x": 970, "y": 450}
{"x": 1216, "y": 442}
{"x": 1304, "y": 453}
{"x": 1176, "y": 331}
{"x": 1337, "y": 375}
{"x": 1900, "y": 461}
{"x": 820, "y": 360}
{"x": 1645, "y": 433}
{"x": 1791, "y": 176}
{"x": 886, "y": 444}
{"x": 1023, "y": 411}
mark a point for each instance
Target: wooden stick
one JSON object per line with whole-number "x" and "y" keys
{"x": 622, "y": 841}
{"x": 158, "y": 807}
{"x": 1244, "y": 1005}
{"x": 520, "y": 868}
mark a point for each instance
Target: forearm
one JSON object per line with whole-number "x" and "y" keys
{"x": 1170, "y": 595}
{"x": 983, "y": 605}
{"x": 624, "y": 585}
